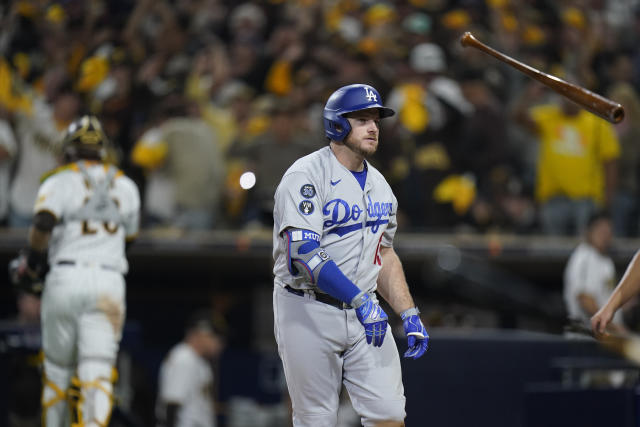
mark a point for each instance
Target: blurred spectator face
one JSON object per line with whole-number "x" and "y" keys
{"x": 600, "y": 234}
{"x": 477, "y": 92}
{"x": 622, "y": 69}
{"x": 352, "y": 69}
{"x": 570, "y": 108}
{"x": 243, "y": 58}
{"x": 66, "y": 107}
{"x": 282, "y": 125}
{"x": 171, "y": 40}
{"x": 123, "y": 76}
{"x": 210, "y": 344}
{"x": 246, "y": 22}
{"x": 53, "y": 78}
{"x": 241, "y": 107}
{"x": 427, "y": 58}
{"x": 55, "y": 46}
{"x": 575, "y": 27}
{"x": 282, "y": 37}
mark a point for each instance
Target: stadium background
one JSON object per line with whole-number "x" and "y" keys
{"x": 487, "y": 280}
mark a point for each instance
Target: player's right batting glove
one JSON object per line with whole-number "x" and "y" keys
{"x": 417, "y": 336}
{"x": 25, "y": 277}
{"x": 372, "y": 317}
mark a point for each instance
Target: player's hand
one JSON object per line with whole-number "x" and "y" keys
{"x": 601, "y": 320}
{"x": 24, "y": 278}
{"x": 372, "y": 317}
{"x": 417, "y": 336}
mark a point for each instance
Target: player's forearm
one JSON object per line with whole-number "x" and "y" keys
{"x": 39, "y": 239}
{"x": 392, "y": 283}
{"x": 628, "y": 286}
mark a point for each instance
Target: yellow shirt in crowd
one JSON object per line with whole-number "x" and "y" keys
{"x": 573, "y": 150}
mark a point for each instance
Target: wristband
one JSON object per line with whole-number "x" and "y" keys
{"x": 36, "y": 259}
{"x": 410, "y": 312}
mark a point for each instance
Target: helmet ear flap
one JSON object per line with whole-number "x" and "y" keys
{"x": 336, "y": 128}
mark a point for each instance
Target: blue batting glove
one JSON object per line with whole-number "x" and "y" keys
{"x": 372, "y": 317}
{"x": 417, "y": 336}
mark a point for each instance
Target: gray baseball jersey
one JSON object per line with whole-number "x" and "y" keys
{"x": 321, "y": 346}
{"x": 320, "y": 194}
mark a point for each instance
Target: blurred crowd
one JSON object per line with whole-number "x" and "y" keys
{"x": 207, "y": 102}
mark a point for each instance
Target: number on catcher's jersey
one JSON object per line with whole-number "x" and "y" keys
{"x": 91, "y": 226}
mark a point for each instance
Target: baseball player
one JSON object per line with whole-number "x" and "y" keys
{"x": 590, "y": 274}
{"x": 185, "y": 385}
{"x": 334, "y": 223}
{"x": 84, "y": 212}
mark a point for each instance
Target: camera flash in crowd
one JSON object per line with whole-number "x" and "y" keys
{"x": 247, "y": 180}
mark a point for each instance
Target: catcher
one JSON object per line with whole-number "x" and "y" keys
{"x": 84, "y": 213}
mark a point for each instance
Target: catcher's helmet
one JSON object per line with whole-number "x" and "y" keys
{"x": 348, "y": 99}
{"x": 85, "y": 139}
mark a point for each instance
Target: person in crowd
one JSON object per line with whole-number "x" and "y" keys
{"x": 8, "y": 152}
{"x": 185, "y": 168}
{"x": 38, "y": 133}
{"x": 625, "y": 207}
{"x": 432, "y": 110}
{"x": 271, "y": 154}
{"x": 577, "y": 162}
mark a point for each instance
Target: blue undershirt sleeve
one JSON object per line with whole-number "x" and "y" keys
{"x": 335, "y": 283}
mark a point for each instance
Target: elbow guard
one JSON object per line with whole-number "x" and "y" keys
{"x": 305, "y": 256}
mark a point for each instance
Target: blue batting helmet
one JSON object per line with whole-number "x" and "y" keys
{"x": 348, "y": 99}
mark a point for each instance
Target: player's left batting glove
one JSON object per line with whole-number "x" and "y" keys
{"x": 372, "y": 317}
{"x": 417, "y": 336}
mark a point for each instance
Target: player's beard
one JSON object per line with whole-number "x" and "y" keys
{"x": 358, "y": 148}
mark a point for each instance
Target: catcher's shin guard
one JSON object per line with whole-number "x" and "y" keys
{"x": 95, "y": 381}
{"x": 55, "y": 396}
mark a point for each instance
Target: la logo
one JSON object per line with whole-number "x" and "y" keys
{"x": 371, "y": 95}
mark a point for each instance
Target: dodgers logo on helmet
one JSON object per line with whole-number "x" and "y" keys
{"x": 371, "y": 95}
{"x": 348, "y": 99}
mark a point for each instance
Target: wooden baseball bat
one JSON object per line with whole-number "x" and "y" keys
{"x": 626, "y": 345}
{"x": 598, "y": 105}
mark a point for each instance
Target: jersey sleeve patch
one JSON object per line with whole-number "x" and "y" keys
{"x": 308, "y": 191}
{"x": 306, "y": 207}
